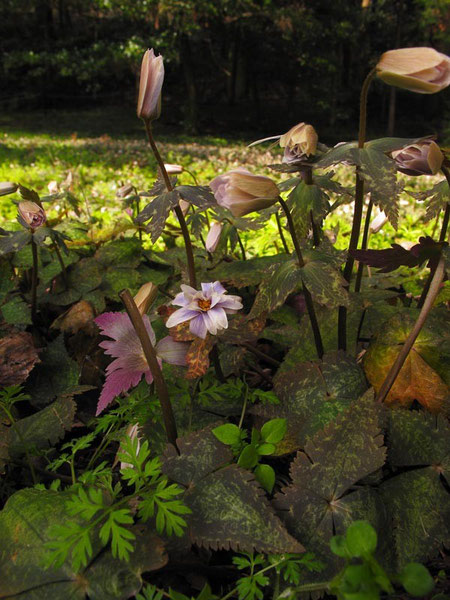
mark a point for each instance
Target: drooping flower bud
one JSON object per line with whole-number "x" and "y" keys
{"x": 150, "y": 85}
{"x": 7, "y": 187}
{"x": 173, "y": 169}
{"x": 242, "y": 192}
{"x": 184, "y": 205}
{"x": 423, "y": 158}
{"x": 145, "y": 297}
{"x": 299, "y": 142}
{"x": 124, "y": 190}
{"x": 31, "y": 214}
{"x": 213, "y": 237}
{"x": 379, "y": 222}
{"x": 421, "y": 70}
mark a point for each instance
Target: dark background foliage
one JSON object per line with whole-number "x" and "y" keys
{"x": 231, "y": 65}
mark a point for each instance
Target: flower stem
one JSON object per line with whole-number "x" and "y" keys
{"x": 178, "y": 211}
{"x": 308, "y": 298}
{"x": 241, "y": 245}
{"x": 34, "y": 279}
{"x": 442, "y": 237}
{"x": 63, "y": 266}
{"x": 435, "y": 285}
{"x": 214, "y": 354}
{"x": 280, "y": 231}
{"x": 357, "y": 213}
{"x": 364, "y": 242}
{"x": 150, "y": 355}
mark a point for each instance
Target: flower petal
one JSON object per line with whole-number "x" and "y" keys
{"x": 116, "y": 382}
{"x": 171, "y": 351}
{"x": 198, "y": 326}
{"x": 180, "y": 316}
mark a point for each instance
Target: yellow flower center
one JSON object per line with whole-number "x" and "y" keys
{"x": 204, "y": 304}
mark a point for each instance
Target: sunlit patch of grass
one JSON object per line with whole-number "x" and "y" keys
{"x": 101, "y": 163}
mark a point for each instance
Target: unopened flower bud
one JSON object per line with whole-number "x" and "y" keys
{"x": 423, "y": 158}
{"x": 124, "y": 190}
{"x": 173, "y": 169}
{"x": 213, "y": 237}
{"x": 150, "y": 85}
{"x": 7, "y": 187}
{"x": 145, "y": 297}
{"x": 379, "y": 222}
{"x": 184, "y": 205}
{"x": 300, "y": 141}
{"x": 53, "y": 187}
{"x": 242, "y": 192}
{"x": 421, "y": 70}
{"x": 31, "y": 214}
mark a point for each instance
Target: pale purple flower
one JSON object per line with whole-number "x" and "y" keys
{"x": 173, "y": 169}
{"x": 130, "y": 364}
{"x": 242, "y": 192}
{"x": 206, "y": 309}
{"x": 213, "y": 237}
{"x": 422, "y": 158}
{"x": 31, "y": 214}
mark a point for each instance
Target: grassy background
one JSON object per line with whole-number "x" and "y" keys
{"x": 106, "y": 149}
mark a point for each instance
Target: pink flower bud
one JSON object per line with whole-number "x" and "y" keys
{"x": 7, "y": 187}
{"x": 31, "y": 214}
{"x": 173, "y": 169}
{"x": 150, "y": 85}
{"x": 423, "y": 158}
{"x": 299, "y": 142}
{"x": 125, "y": 190}
{"x": 213, "y": 237}
{"x": 421, "y": 70}
{"x": 242, "y": 192}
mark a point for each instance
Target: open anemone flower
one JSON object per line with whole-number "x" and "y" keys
{"x": 206, "y": 309}
{"x": 130, "y": 364}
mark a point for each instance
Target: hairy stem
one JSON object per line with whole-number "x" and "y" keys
{"x": 214, "y": 354}
{"x": 150, "y": 355}
{"x": 442, "y": 237}
{"x": 280, "y": 231}
{"x": 63, "y": 266}
{"x": 308, "y": 298}
{"x": 357, "y": 213}
{"x": 403, "y": 354}
{"x": 178, "y": 211}
{"x": 34, "y": 279}
{"x": 364, "y": 243}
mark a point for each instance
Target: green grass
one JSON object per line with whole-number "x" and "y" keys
{"x": 105, "y": 149}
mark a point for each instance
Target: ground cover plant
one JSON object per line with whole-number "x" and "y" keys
{"x": 222, "y": 387}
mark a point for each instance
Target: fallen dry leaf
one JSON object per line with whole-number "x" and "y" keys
{"x": 17, "y": 357}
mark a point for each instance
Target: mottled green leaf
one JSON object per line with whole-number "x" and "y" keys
{"x": 14, "y": 242}
{"x": 280, "y": 281}
{"x": 312, "y": 394}
{"x": 56, "y": 374}
{"x": 241, "y": 273}
{"x": 25, "y": 523}
{"x": 40, "y": 430}
{"x": 322, "y": 500}
{"x": 325, "y": 284}
{"x": 199, "y": 195}
{"x": 157, "y": 212}
{"x": 116, "y": 279}
{"x": 340, "y": 153}
{"x": 419, "y": 515}
{"x": 229, "y": 510}
{"x": 389, "y": 144}
{"x": 306, "y": 201}
{"x": 437, "y": 198}
{"x": 417, "y": 439}
{"x": 120, "y": 252}
{"x": 200, "y": 453}
{"x": 16, "y": 312}
{"x": 380, "y": 175}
